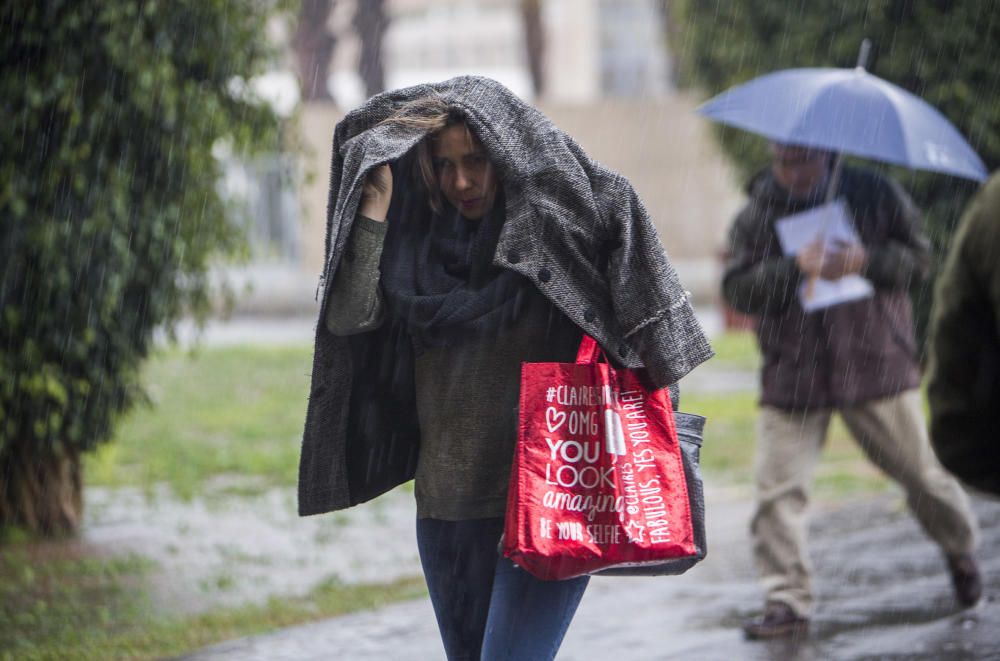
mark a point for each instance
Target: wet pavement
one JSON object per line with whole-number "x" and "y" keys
{"x": 883, "y": 594}
{"x": 228, "y": 551}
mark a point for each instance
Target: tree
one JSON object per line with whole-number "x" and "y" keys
{"x": 313, "y": 45}
{"x": 109, "y": 213}
{"x": 944, "y": 51}
{"x": 370, "y": 22}
{"x": 534, "y": 43}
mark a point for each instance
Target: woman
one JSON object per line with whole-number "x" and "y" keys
{"x": 491, "y": 241}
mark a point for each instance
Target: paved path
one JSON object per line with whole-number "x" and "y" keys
{"x": 883, "y": 594}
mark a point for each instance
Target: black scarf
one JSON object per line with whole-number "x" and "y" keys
{"x": 438, "y": 275}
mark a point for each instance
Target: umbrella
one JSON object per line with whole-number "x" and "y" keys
{"x": 847, "y": 111}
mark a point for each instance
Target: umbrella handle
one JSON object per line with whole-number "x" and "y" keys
{"x": 833, "y": 183}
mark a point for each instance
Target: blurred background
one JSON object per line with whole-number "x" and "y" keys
{"x": 602, "y": 70}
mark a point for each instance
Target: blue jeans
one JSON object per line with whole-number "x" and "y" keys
{"x": 486, "y": 607}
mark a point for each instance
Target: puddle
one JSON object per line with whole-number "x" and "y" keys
{"x": 235, "y": 550}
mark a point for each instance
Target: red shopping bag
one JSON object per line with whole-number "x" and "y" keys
{"x": 597, "y": 480}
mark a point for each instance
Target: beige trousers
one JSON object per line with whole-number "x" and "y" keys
{"x": 893, "y": 434}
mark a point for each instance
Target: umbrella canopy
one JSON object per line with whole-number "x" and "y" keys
{"x": 848, "y": 111}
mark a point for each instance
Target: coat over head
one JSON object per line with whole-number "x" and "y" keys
{"x": 575, "y": 229}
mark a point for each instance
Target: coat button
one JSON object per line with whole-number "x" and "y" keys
{"x": 623, "y": 349}
{"x": 513, "y": 257}
{"x": 544, "y": 275}
{"x": 589, "y": 314}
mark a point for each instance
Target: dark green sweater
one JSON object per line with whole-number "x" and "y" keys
{"x": 467, "y": 394}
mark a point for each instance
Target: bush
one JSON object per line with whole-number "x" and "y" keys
{"x": 110, "y": 212}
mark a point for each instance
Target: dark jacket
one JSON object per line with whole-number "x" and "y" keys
{"x": 964, "y": 384}
{"x": 575, "y": 229}
{"x": 845, "y": 354}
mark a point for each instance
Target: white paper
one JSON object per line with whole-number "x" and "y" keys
{"x": 831, "y": 222}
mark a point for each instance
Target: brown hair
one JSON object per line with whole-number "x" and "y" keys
{"x": 431, "y": 114}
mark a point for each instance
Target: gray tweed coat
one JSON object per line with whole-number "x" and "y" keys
{"x": 575, "y": 229}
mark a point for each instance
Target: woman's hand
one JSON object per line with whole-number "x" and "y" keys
{"x": 376, "y": 193}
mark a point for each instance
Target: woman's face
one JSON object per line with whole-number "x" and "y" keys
{"x": 464, "y": 172}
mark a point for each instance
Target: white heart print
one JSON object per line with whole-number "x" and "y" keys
{"x": 554, "y": 419}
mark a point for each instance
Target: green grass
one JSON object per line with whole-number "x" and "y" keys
{"x": 96, "y": 608}
{"x": 45, "y": 597}
{"x": 235, "y": 411}
{"x": 735, "y": 350}
{"x": 730, "y": 437}
{"x": 238, "y": 411}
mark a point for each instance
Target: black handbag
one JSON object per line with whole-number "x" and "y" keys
{"x": 690, "y": 428}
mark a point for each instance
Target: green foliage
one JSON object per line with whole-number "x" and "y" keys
{"x": 109, "y": 211}
{"x": 944, "y": 51}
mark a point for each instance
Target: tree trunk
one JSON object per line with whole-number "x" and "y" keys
{"x": 674, "y": 34}
{"x": 313, "y": 45}
{"x": 41, "y": 492}
{"x": 370, "y": 24}
{"x": 534, "y": 42}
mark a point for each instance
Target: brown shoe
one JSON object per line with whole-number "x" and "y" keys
{"x": 777, "y": 620}
{"x": 966, "y": 579}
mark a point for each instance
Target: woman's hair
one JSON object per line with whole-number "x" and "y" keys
{"x": 431, "y": 114}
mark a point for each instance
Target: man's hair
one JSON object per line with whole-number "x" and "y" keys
{"x": 806, "y": 150}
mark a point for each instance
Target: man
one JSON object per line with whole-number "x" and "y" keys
{"x": 964, "y": 384}
{"x": 855, "y": 358}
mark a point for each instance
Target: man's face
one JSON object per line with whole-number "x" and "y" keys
{"x": 465, "y": 174}
{"x": 799, "y": 170}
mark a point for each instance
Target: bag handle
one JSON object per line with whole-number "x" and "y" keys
{"x": 590, "y": 351}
